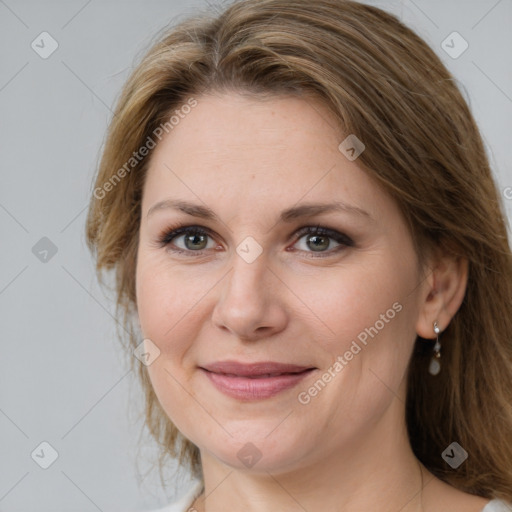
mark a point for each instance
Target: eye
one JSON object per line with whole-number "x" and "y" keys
{"x": 319, "y": 239}
{"x": 194, "y": 239}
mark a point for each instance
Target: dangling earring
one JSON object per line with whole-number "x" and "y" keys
{"x": 435, "y": 363}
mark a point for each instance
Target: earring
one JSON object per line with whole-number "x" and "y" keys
{"x": 435, "y": 363}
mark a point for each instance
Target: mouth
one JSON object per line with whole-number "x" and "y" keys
{"x": 254, "y": 381}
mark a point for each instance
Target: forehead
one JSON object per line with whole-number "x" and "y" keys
{"x": 231, "y": 147}
{"x": 232, "y": 125}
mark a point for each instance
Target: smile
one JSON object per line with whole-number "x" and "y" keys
{"x": 256, "y": 381}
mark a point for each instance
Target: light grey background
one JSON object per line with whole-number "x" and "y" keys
{"x": 63, "y": 378}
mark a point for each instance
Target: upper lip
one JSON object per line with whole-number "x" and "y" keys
{"x": 254, "y": 369}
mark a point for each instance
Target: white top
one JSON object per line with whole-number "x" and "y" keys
{"x": 185, "y": 502}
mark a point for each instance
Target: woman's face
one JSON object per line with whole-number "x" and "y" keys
{"x": 255, "y": 287}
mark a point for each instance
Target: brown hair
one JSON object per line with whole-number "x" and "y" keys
{"x": 384, "y": 84}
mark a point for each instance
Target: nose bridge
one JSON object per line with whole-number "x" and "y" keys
{"x": 247, "y": 306}
{"x": 247, "y": 276}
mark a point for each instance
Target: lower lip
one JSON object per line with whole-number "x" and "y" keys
{"x": 244, "y": 388}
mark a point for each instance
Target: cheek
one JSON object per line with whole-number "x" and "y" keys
{"x": 150, "y": 294}
{"x": 159, "y": 291}
{"x": 367, "y": 326}
{"x": 348, "y": 301}
{"x": 169, "y": 303}
{"x": 165, "y": 308}
{"x": 370, "y": 312}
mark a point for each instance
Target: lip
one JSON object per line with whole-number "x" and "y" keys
{"x": 254, "y": 381}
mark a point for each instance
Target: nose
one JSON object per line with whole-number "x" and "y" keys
{"x": 250, "y": 304}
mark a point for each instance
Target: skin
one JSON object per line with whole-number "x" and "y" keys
{"x": 249, "y": 159}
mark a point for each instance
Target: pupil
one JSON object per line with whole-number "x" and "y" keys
{"x": 194, "y": 241}
{"x": 316, "y": 238}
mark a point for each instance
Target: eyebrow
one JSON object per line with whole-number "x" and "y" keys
{"x": 288, "y": 215}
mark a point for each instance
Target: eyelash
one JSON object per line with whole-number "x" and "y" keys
{"x": 169, "y": 234}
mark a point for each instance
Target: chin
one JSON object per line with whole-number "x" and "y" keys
{"x": 259, "y": 453}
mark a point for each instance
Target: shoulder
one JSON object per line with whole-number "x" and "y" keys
{"x": 497, "y": 506}
{"x": 442, "y": 497}
{"x": 185, "y": 502}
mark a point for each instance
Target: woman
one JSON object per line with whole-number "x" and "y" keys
{"x": 313, "y": 264}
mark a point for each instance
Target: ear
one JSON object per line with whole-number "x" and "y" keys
{"x": 444, "y": 292}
